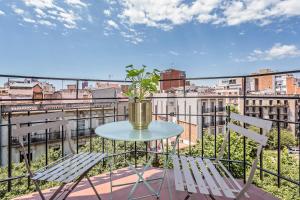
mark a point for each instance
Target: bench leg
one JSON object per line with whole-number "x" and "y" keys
{"x": 57, "y": 192}
{"x": 187, "y": 197}
{"x": 89, "y": 180}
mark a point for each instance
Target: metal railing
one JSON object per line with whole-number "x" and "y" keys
{"x": 7, "y": 113}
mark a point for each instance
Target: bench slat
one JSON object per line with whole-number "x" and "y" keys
{"x": 85, "y": 167}
{"x": 225, "y": 188}
{"x": 60, "y": 177}
{"x": 50, "y": 171}
{"x": 197, "y": 174}
{"x": 187, "y": 175}
{"x": 209, "y": 179}
{"x": 178, "y": 174}
{"x": 59, "y": 168}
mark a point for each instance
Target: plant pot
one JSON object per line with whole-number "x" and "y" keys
{"x": 140, "y": 114}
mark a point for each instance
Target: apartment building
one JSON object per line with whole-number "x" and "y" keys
{"x": 188, "y": 111}
{"x": 272, "y": 108}
{"x": 278, "y": 84}
{"x": 173, "y": 74}
{"x": 230, "y": 87}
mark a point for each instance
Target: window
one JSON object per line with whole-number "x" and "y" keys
{"x": 260, "y": 102}
{"x": 270, "y": 102}
{"x": 271, "y": 117}
{"x": 285, "y": 102}
{"x": 253, "y": 102}
{"x": 278, "y": 101}
{"x": 81, "y": 124}
{"x": 247, "y": 102}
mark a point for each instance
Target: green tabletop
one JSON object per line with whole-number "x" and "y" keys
{"x": 123, "y": 131}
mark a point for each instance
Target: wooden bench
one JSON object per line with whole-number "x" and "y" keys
{"x": 69, "y": 170}
{"x": 193, "y": 175}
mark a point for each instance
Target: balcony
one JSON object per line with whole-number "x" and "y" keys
{"x": 82, "y": 133}
{"x": 277, "y": 168}
{"x": 39, "y": 138}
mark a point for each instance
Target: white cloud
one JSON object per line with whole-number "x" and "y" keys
{"x": 29, "y": 20}
{"x": 2, "y": 12}
{"x": 76, "y": 3}
{"x": 113, "y": 24}
{"x": 165, "y": 14}
{"x": 18, "y": 11}
{"x": 42, "y": 4}
{"x": 278, "y": 51}
{"x": 107, "y": 13}
{"x": 51, "y": 13}
{"x": 47, "y": 23}
{"x": 174, "y": 53}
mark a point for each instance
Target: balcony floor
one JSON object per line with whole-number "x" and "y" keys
{"x": 85, "y": 192}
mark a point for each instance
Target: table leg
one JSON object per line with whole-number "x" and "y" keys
{"x": 166, "y": 167}
{"x": 141, "y": 178}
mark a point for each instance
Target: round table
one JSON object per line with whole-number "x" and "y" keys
{"x": 123, "y": 131}
{"x": 157, "y": 130}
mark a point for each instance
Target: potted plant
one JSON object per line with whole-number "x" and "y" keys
{"x": 143, "y": 85}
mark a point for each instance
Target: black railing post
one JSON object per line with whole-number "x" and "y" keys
{"x": 244, "y": 125}
{"x": 114, "y": 142}
{"x": 46, "y": 141}
{"x": 77, "y": 131}
{"x": 91, "y": 128}
{"x": 202, "y": 131}
{"x": 177, "y": 120}
{"x": 167, "y": 141}
{"x": 156, "y": 144}
{"x": 227, "y": 129}
{"x": 215, "y": 131}
{"x": 62, "y": 139}
{"x": 190, "y": 131}
{"x": 124, "y": 110}
{"x": 261, "y": 175}
{"x": 28, "y": 150}
{"x": 278, "y": 149}
{"x": 135, "y": 155}
{"x": 9, "y": 167}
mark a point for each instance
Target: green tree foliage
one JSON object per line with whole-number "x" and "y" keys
{"x": 287, "y": 139}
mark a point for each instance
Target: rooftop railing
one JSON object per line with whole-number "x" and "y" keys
{"x": 117, "y": 111}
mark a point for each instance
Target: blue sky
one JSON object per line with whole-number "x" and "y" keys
{"x": 97, "y": 38}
